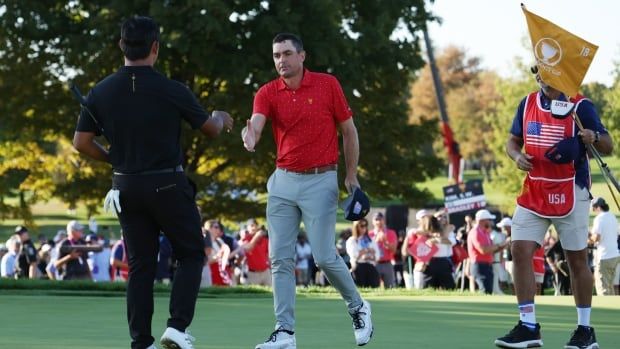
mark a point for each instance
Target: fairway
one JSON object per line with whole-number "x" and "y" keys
{"x": 62, "y": 322}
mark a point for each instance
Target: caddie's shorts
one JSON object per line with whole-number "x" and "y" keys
{"x": 572, "y": 229}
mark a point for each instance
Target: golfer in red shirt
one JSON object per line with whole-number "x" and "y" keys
{"x": 306, "y": 109}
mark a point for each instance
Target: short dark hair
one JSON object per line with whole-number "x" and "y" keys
{"x": 138, "y": 34}
{"x": 282, "y": 37}
{"x": 600, "y": 202}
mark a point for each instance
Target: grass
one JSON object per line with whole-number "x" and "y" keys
{"x": 46, "y": 315}
{"x": 599, "y": 188}
{"x": 56, "y": 322}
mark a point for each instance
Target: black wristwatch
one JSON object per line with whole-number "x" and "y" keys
{"x": 597, "y": 136}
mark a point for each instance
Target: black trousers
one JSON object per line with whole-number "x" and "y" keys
{"x": 562, "y": 284}
{"x": 483, "y": 273}
{"x": 151, "y": 204}
{"x": 366, "y": 275}
{"x": 440, "y": 272}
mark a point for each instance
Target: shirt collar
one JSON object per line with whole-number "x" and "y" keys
{"x": 545, "y": 101}
{"x": 306, "y": 80}
{"x": 136, "y": 69}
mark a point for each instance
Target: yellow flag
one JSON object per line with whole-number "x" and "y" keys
{"x": 562, "y": 58}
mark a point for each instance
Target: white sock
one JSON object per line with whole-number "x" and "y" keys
{"x": 527, "y": 314}
{"x": 583, "y": 316}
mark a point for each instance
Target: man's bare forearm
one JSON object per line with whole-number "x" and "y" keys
{"x": 351, "y": 151}
{"x": 513, "y": 148}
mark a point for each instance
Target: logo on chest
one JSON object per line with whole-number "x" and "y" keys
{"x": 309, "y": 100}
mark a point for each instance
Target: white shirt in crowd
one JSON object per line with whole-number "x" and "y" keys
{"x": 354, "y": 246}
{"x": 303, "y": 254}
{"x": 606, "y": 225}
{"x": 7, "y": 267}
{"x": 443, "y": 250}
{"x": 498, "y": 238}
{"x": 99, "y": 263}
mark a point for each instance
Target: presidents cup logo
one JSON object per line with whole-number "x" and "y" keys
{"x": 548, "y": 51}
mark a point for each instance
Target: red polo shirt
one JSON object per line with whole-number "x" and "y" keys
{"x": 258, "y": 257}
{"x": 305, "y": 120}
{"x": 476, "y": 238}
{"x": 392, "y": 238}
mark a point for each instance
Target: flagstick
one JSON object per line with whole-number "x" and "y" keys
{"x": 601, "y": 164}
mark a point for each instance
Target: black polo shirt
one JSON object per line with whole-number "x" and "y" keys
{"x": 75, "y": 268}
{"x": 140, "y": 111}
{"x": 27, "y": 256}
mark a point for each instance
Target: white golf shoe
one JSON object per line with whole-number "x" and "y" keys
{"x": 175, "y": 339}
{"x": 279, "y": 339}
{"x": 362, "y": 324}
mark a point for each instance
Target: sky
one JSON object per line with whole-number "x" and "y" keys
{"x": 494, "y": 30}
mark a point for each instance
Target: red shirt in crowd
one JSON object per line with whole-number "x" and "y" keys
{"x": 304, "y": 121}
{"x": 476, "y": 238}
{"x": 392, "y": 239}
{"x": 258, "y": 257}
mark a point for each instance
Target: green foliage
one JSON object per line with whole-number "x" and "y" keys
{"x": 469, "y": 93}
{"x": 509, "y": 181}
{"x": 222, "y": 51}
{"x": 611, "y": 114}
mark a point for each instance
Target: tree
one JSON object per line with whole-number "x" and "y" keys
{"x": 469, "y": 94}
{"x": 512, "y": 91}
{"x": 222, "y": 51}
{"x": 611, "y": 109}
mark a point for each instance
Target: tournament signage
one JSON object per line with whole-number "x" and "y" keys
{"x": 464, "y": 197}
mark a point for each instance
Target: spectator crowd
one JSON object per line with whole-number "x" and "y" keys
{"x": 433, "y": 254}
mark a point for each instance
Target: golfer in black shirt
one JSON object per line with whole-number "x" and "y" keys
{"x": 139, "y": 111}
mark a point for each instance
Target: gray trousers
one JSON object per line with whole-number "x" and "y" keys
{"x": 386, "y": 272}
{"x": 312, "y": 199}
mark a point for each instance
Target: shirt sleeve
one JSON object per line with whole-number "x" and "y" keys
{"x": 517, "y": 122}
{"x": 342, "y": 111}
{"x": 186, "y": 101}
{"x": 262, "y": 104}
{"x": 60, "y": 251}
{"x": 352, "y": 249}
{"x": 86, "y": 121}
{"x": 589, "y": 117}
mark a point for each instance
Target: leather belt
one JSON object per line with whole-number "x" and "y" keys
{"x": 314, "y": 170}
{"x": 178, "y": 168}
{"x": 257, "y": 271}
